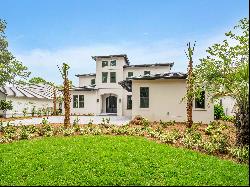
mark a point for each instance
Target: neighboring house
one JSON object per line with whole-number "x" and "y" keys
{"x": 25, "y": 98}
{"x": 157, "y": 97}
{"x": 228, "y": 104}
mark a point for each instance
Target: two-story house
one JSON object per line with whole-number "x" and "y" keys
{"x": 149, "y": 90}
{"x": 99, "y": 93}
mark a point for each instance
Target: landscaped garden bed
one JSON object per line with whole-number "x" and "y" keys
{"x": 216, "y": 138}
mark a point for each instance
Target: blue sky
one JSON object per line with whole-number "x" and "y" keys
{"x": 44, "y": 33}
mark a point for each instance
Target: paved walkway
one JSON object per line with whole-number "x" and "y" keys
{"x": 117, "y": 120}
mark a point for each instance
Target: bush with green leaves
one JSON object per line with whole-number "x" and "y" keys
{"x": 191, "y": 138}
{"x": 170, "y": 137}
{"x": 228, "y": 118}
{"x": 165, "y": 124}
{"x": 76, "y": 125}
{"x": 68, "y": 131}
{"x": 218, "y": 111}
{"x": 33, "y": 111}
{"x": 240, "y": 153}
{"x": 46, "y": 129}
{"x": 6, "y": 105}
{"x": 25, "y": 111}
{"x": 24, "y": 133}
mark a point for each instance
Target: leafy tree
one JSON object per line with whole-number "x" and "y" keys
{"x": 6, "y": 105}
{"x": 37, "y": 80}
{"x": 225, "y": 72}
{"x": 11, "y": 70}
{"x": 66, "y": 94}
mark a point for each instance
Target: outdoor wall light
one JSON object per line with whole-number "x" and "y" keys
{"x": 120, "y": 100}
{"x": 97, "y": 100}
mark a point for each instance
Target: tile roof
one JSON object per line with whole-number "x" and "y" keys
{"x": 149, "y": 65}
{"x": 169, "y": 75}
{"x": 83, "y": 75}
{"x": 40, "y": 91}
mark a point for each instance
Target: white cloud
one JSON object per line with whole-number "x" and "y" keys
{"x": 44, "y": 62}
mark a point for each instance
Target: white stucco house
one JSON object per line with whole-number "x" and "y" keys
{"x": 149, "y": 90}
{"x": 228, "y": 104}
{"x": 27, "y": 98}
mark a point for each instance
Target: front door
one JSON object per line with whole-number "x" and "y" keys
{"x": 111, "y": 104}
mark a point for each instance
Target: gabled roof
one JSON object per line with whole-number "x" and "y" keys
{"x": 86, "y": 75}
{"x": 149, "y": 65}
{"x": 40, "y": 91}
{"x": 111, "y": 56}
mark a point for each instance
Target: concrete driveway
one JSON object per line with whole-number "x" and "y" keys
{"x": 116, "y": 120}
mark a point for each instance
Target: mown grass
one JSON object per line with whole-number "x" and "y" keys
{"x": 112, "y": 160}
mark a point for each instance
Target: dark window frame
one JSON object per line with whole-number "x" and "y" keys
{"x": 200, "y": 103}
{"x": 146, "y": 72}
{"x": 75, "y": 101}
{"x": 92, "y": 81}
{"x": 81, "y": 101}
{"x": 105, "y": 63}
{"x": 112, "y": 78}
{"x": 112, "y": 62}
{"x": 104, "y": 73}
{"x": 144, "y": 97}
{"x": 129, "y": 74}
{"x": 129, "y": 102}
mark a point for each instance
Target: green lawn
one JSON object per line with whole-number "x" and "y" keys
{"x": 112, "y": 160}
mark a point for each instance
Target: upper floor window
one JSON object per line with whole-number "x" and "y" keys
{"x": 81, "y": 101}
{"x": 104, "y": 63}
{"x": 113, "y": 63}
{"x": 200, "y": 102}
{"x": 130, "y": 74}
{"x": 129, "y": 102}
{"x": 75, "y": 101}
{"x": 104, "y": 77}
{"x": 144, "y": 97}
{"x": 146, "y": 72}
{"x": 92, "y": 81}
{"x": 113, "y": 77}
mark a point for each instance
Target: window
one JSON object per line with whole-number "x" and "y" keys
{"x": 104, "y": 77}
{"x": 129, "y": 102}
{"x": 146, "y": 72}
{"x": 144, "y": 97}
{"x": 104, "y": 63}
{"x": 75, "y": 101}
{"x": 92, "y": 81}
{"x": 130, "y": 74}
{"x": 200, "y": 102}
{"x": 81, "y": 101}
{"x": 113, "y": 63}
{"x": 112, "y": 77}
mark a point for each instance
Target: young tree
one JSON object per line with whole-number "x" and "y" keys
{"x": 225, "y": 72}
{"x": 66, "y": 94}
{"x": 190, "y": 86}
{"x": 37, "y": 80}
{"x": 5, "y": 105}
{"x": 10, "y": 68}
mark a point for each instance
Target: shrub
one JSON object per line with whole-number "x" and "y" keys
{"x": 76, "y": 125}
{"x": 240, "y": 153}
{"x": 228, "y": 118}
{"x": 68, "y": 131}
{"x": 145, "y": 123}
{"x": 25, "y": 111}
{"x": 218, "y": 111}
{"x": 24, "y": 133}
{"x": 6, "y": 105}
{"x": 167, "y": 123}
{"x": 46, "y": 128}
{"x": 220, "y": 142}
{"x": 191, "y": 138}
{"x": 33, "y": 111}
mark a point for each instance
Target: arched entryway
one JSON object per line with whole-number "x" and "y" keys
{"x": 111, "y": 104}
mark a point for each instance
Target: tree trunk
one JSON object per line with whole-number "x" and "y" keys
{"x": 66, "y": 103}
{"x": 190, "y": 95}
{"x": 242, "y": 125}
{"x": 54, "y": 101}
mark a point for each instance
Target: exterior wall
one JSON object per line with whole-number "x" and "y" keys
{"x": 19, "y": 103}
{"x": 90, "y": 105}
{"x": 125, "y": 111}
{"x": 228, "y": 104}
{"x": 140, "y": 70}
{"x": 165, "y": 102}
{"x": 85, "y": 80}
{"x": 120, "y": 62}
